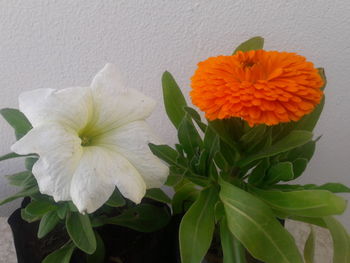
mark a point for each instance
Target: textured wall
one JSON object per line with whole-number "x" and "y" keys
{"x": 64, "y": 43}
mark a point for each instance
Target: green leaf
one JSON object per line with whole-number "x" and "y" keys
{"x": 164, "y": 152}
{"x": 282, "y": 171}
{"x": 254, "y": 43}
{"x": 222, "y": 128}
{"x": 158, "y": 195}
{"x": 27, "y": 217}
{"x": 19, "y": 179}
{"x": 39, "y": 208}
{"x": 29, "y": 162}
{"x": 198, "y": 180}
{"x": 317, "y": 221}
{"x": 184, "y": 197}
{"x": 258, "y": 174}
{"x": 305, "y": 151}
{"x": 253, "y": 136}
{"x": 23, "y": 193}
{"x": 99, "y": 255}
{"x": 196, "y": 117}
{"x": 116, "y": 199}
{"x": 232, "y": 249}
{"x": 17, "y": 120}
{"x": 10, "y": 156}
{"x": 62, "y": 255}
{"x": 62, "y": 210}
{"x": 47, "y": 223}
{"x": 80, "y": 231}
{"x": 197, "y": 227}
{"x": 341, "y": 240}
{"x": 189, "y": 137}
{"x": 143, "y": 218}
{"x": 309, "y": 248}
{"x": 292, "y": 140}
{"x": 309, "y": 203}
{"x": 174, "y": 101}
{"x": 334, "y": 188}
{"x": 253, "y": 223}
{"x": 299, "y": 166}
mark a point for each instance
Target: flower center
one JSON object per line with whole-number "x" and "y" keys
{"x": 248, "y": 64}
{"x": 85, "y": 140}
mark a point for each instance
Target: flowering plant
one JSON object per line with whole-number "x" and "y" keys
{"x": 232, "y": 174}
{"x": 91, "y": 158}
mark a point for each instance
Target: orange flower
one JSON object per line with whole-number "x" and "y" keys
{"x": 259, "y": 86}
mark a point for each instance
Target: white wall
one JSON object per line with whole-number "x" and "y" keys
{"x": 62, "y": 43}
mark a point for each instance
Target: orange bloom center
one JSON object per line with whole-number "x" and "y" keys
{"x": 262, "y": 87}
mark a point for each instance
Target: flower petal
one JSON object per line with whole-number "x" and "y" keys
{"x": 70, "y": 106}
{"x": 99, "y": 171}
{"x": 113, "y": 104}
{"x": 60, "y": 151}
{"x": 131, "y": 140}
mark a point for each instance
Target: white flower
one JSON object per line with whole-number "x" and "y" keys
{"x": 91, "y": 139}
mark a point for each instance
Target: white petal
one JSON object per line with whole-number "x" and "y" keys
{"x": 60, "y": 151}
{"x": 99, "y": 171}
{"x": 131, "y": 140}
{"x": 71, "y": 106}
{"x": 113, "y": 104}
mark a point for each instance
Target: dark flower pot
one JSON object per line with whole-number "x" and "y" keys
{"x": 123, "y": 245}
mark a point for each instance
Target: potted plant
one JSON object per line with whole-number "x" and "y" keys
{"x": 233, "y": 173}
{"x": 89, "y": 166}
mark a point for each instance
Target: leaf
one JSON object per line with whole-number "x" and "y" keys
{"x": 62, "y": 210}
{"x": 253, "y": 135}
{"x": 116, "y": 199}
{"x": 282, "y": 171}
{"x": 19, "y": 179}
{"x": 253, "y": 223}
{"x": 62, "y": 255}
{"x": 232, "y": 249}
{"x": 189, "y": 137}
{"x": 309, "y": 248}
{"x": 187, "y": 193}
{"x": 332, "y": 187}
{"x": 27, "y": 217}
{"x": 196, "y": 117}
{"x": 48, "y": 223}
{"x": 143, "y": 218}
{"x": 99, "y": 255}
{"x": 221, "y": 128}
{"x": 17, "y": 120}
{"x": 164, "y": 152}
{"x": 10, "y": 156}
{"x": 80, "y": 231}
{"x": 158, "y": 195}
{"x": 197, "y": 227}
{"x": 305, "y": 151}
{"x": 174, "y": 101}
{"x": 23, "y": 193}
{"x": 299, "y": 166}
{"x": 341, "y": 240}
{"x": 309, "y": 203}
{"x": 292, "y": 140}
{"x": 258, "y": 174}
{"x": 29, "y": 162}
{"x": 254, "y": 43}
{"x": 39, "y": 208}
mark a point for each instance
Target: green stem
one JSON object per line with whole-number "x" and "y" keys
{"x": 238, "y": 251}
